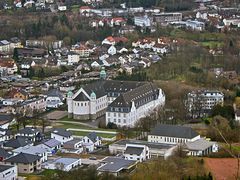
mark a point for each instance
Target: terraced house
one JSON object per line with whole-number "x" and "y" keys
{"x": 124, "y": 102}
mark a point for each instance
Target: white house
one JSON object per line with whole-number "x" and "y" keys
{"x": 91, "y": 141}
{"x": 73, "y": 58}
{"x": 73, "y": 146}
{"x": 54, "y": 98}
{"x": 61, "y": 135}
{"x": 112, "y": 50}
{"x": 136, "y": 152}
{"x": 64, "y": 164}
{"x": 8, "y": 172}
{"x": 34, "y": 150}
{"x": 172, "y": 134}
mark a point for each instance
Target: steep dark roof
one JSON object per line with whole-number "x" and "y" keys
{"x": 81, "y": 97}
{"x": 16, "y": 143}
{"x": 134, "y": 150}
{"x": 96, "y": 87}
{"x": 6, "y": 117}
{"x": 62, "y": 132}
{"x": 4, "y": 153}
{"x": 23, "y": 158}
{"x": 5, "y": 167}
{"x": 140, "y": 95}
{"x": 173, "y": 131}
{"x": 93, "y": 136}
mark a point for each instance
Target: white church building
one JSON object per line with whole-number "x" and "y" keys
{"x": 124, "y": 102}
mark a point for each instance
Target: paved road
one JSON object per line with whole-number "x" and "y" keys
{"x": 89, "y": 130}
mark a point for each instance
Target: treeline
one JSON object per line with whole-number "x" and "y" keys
{"x": 71, "y": 29}
{"x": 136, "y": 76}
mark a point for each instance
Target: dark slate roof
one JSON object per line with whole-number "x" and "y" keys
{"x": 16, "y": 143}
{"x": 5, "y": 167}
{"x": 96, "y": 87}
{"x": 52, "y": 143}
{"x": 81, "y": 97}
{"x": 23, "y": 158}
{"x": 4, "y": 153}
{"x": 173, "y": 131}
{"x": 140, "y": 95}
{"x": 55, "y": 93}
{"x": 62, "y": 132}
{"x": 134, "y": 150}
{"x": 116, "y": 164}
{"x": 93, "y": 136}
{"x": 6, "y": 117}
{"x": 28, "y": 130}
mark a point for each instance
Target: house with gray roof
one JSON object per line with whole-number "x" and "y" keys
{"x": 54, "y": 98}
{"x": 8, "y": 172}
{"x": 172, "y": 134}
{"x": 26, "y": 163}
{"x": 61, "y": 135}
{"x": 6, "y": 120}
{"x": 30, "y": 133}
{"x": 74, "y": 146}
{"x": 16, "y": 143}
{"x": 136, "y": 152}
{"x": 4, "y": 154}
{"x": 64, "y": 164}
{"x": 91, "y": 141}
{"x": 116, "y": 165}
{"x": 53, "y": 144}
{"x": 200, "y": 147}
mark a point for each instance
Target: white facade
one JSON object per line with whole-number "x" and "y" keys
{"x": 130, "y": 118}
{"x": 170, "y": 140}
{"x": 142, "y": 21}
{"x": 137, "y": 157}
{"x": 53, "y": 102}
{"x": 90, "y": 106}
{"x": 112, "y": 50}
{"x": 9, "y": 174}
{"x": 60, "y": 138}
{"x": 73, "y": 58}
{"x": 64, "y": 164}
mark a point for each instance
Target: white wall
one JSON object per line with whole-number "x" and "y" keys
{"x": 61, "y": 138}
{"x": 9, "y": 174}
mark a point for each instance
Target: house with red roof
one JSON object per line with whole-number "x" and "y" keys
{"x": 114, "y": 40}
{"x": 8, "y": 66}
{"x": 117, "y": 21}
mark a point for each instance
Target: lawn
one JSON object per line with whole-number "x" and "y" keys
{"x": 70, "y": 125}
{"x": 81, "y": 133}
{"x": 212, "y": 44}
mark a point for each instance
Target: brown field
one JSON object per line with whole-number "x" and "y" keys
{"x": 222, "y": 168}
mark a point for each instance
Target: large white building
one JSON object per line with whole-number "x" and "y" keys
{"x": 142, "y": 21}
{"x": 123, "y": 101}
{"x": 200, "y": 103}
{"x": 8, "y": 172}
{"x": 172, "y": 134}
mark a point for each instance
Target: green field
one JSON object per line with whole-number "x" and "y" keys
{"x": 212, "y": 44}
{"x": 81, "y": 133}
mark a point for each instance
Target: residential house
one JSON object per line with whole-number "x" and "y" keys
{"x": 53, "y": 144}
{"x": 136, "y": 152}
{"x": 91, "y": 141}
{"x": 61, "y": 135}
{"x": 34, "y": 150}
{"x": 54, "y": 98}
{"x": 85, "y": 11}
{"x": 116, "y": 165}
{"x": 16, "y": 143}
{"x": 30, "y": 134}
{"x": 8, "y": 172}
{"x": 33, "y": 53}
{"x": 114, "y": 40}
{"x": 163, "y": 18}
{"x": 82, "y": 50}
{"x": 4, "y": 155}
{"x": 4, "y": 46}
{"x": 20, "y": 94}
{"x": 64, "y": 164}
{"x": 6, "y": 120}
{"x": 7, "y": 67}
{"x": 26, "y": 163}
{"x": 172, "y": 134}
{"x": 37, "y": 104}
{"x": 73, "y": 58}
{"x": 117, "y": 21}
{"x": 73, "y": 146}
